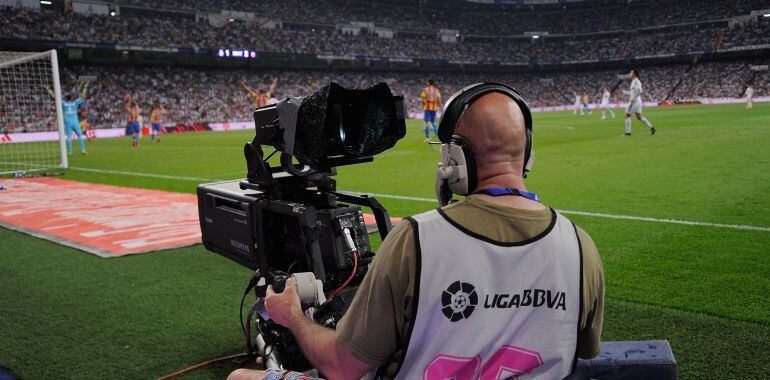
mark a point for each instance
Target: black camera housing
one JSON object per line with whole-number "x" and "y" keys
{"x": 271, "y": 235}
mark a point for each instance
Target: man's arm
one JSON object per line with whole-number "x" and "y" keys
{"x": 592, "y": 322}
{"x": 272, "y": 87}
{"x": 247, "y": 88}
{"x": 84, "y": 91}
{"x": 319, "y": 344}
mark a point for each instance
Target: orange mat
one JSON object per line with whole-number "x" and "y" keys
{"x": 108, "y": 221}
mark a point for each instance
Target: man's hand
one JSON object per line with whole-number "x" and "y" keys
{"x": 246, "y": 374}
{"x": 284, "y": 308}
{"x": 319, "y": 344}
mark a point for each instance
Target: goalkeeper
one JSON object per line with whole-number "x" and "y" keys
{"x": 71, "y": 122}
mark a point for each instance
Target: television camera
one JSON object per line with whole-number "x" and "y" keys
{"x": 286, "y": 218}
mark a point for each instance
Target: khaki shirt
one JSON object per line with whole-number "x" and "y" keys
{"x": 374, "y": 328}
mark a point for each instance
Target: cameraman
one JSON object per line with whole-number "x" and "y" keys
{"x": 431, "y": 306}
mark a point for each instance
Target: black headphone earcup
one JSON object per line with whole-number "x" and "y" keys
{"x": 527, "y": 151}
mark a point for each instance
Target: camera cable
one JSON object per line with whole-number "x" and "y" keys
{"x": 247, "y": 333}
{"x": 253, "y": 282}
{"x": 354, "y": 252}
{"x": 204, "y": 364}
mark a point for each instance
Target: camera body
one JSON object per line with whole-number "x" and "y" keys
{"x": 278, "y": 235}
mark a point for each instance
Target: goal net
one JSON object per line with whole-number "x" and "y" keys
{"x": 31, "y": 124}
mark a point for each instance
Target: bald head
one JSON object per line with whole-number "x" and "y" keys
{"x": 494, "y": 126}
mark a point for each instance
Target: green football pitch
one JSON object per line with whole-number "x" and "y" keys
{"x": 682, "y": 221}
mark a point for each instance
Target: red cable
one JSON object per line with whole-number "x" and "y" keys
{"x": 209, "y": 362}
{"x": 350, "y": 278}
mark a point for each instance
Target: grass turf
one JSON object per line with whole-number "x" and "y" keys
{"x": 69, "y": 314}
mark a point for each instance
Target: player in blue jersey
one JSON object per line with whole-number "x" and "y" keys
{"x": 71, "y": 122}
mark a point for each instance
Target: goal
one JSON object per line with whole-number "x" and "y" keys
{"x": 31, "y": 121}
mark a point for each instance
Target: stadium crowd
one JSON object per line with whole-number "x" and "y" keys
{"x": 757, "y": 34}
{"x": 312, "y": 27}
{"x": 192, "y": 96}
{"x": 725, "y": 77}
{"x": 490, "y": 20}
{"x": 165, "y": 32}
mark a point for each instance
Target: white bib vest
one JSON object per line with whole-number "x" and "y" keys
{"x": 489, "y": 310}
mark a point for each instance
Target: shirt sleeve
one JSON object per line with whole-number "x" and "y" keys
{"x": 589, "y": 341}
{"x": 79, "y": 101}
{"x": 374, "y": 327}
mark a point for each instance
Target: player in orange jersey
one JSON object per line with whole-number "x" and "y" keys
{"x": 260, "y": 97}
{"x": 431, "y": 101}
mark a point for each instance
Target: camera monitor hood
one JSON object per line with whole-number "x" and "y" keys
{"x": 335, "y": 125}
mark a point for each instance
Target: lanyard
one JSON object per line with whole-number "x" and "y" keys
{"x": 498, "y": 191}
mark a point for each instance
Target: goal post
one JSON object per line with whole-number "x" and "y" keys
{"x": 32, "y": 135}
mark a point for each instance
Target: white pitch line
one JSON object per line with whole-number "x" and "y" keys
{"x": 431, "y": 200}
{"x": 403, "y": 197}
{"x": 672, "y": 221}
{"x": 602, "y": 215}
{"x": 135, "y": 174}
{"x": 393, "y": 154}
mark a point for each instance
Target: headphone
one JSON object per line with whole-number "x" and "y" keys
{"x": 456, "y": 173}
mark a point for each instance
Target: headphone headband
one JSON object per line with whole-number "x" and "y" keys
{"x": 461, "y": 100}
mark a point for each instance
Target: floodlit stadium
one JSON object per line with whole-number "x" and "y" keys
{"x": 162, "y": 163}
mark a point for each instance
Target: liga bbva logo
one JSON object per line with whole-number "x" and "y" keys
{"x": 459, "y": 300}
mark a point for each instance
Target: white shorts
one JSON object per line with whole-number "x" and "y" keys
{"x": 605, "y": 104}
{"x": 634, "y": 108}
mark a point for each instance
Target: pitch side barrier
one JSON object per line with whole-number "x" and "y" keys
{"x": 100, "y": 133}
{"x": 596, "y": 106}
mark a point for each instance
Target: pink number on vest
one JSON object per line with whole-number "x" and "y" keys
{"x": 510, "y": 361}
{"x": 506, "y": 363}
{"x": 452, "y": 367}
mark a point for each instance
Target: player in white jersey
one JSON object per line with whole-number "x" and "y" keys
{"x": 606, "y": 104}
{"x": 634, "y": 106}
{"x": 578, "y": 104}
{"x": 749, "y": 94}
